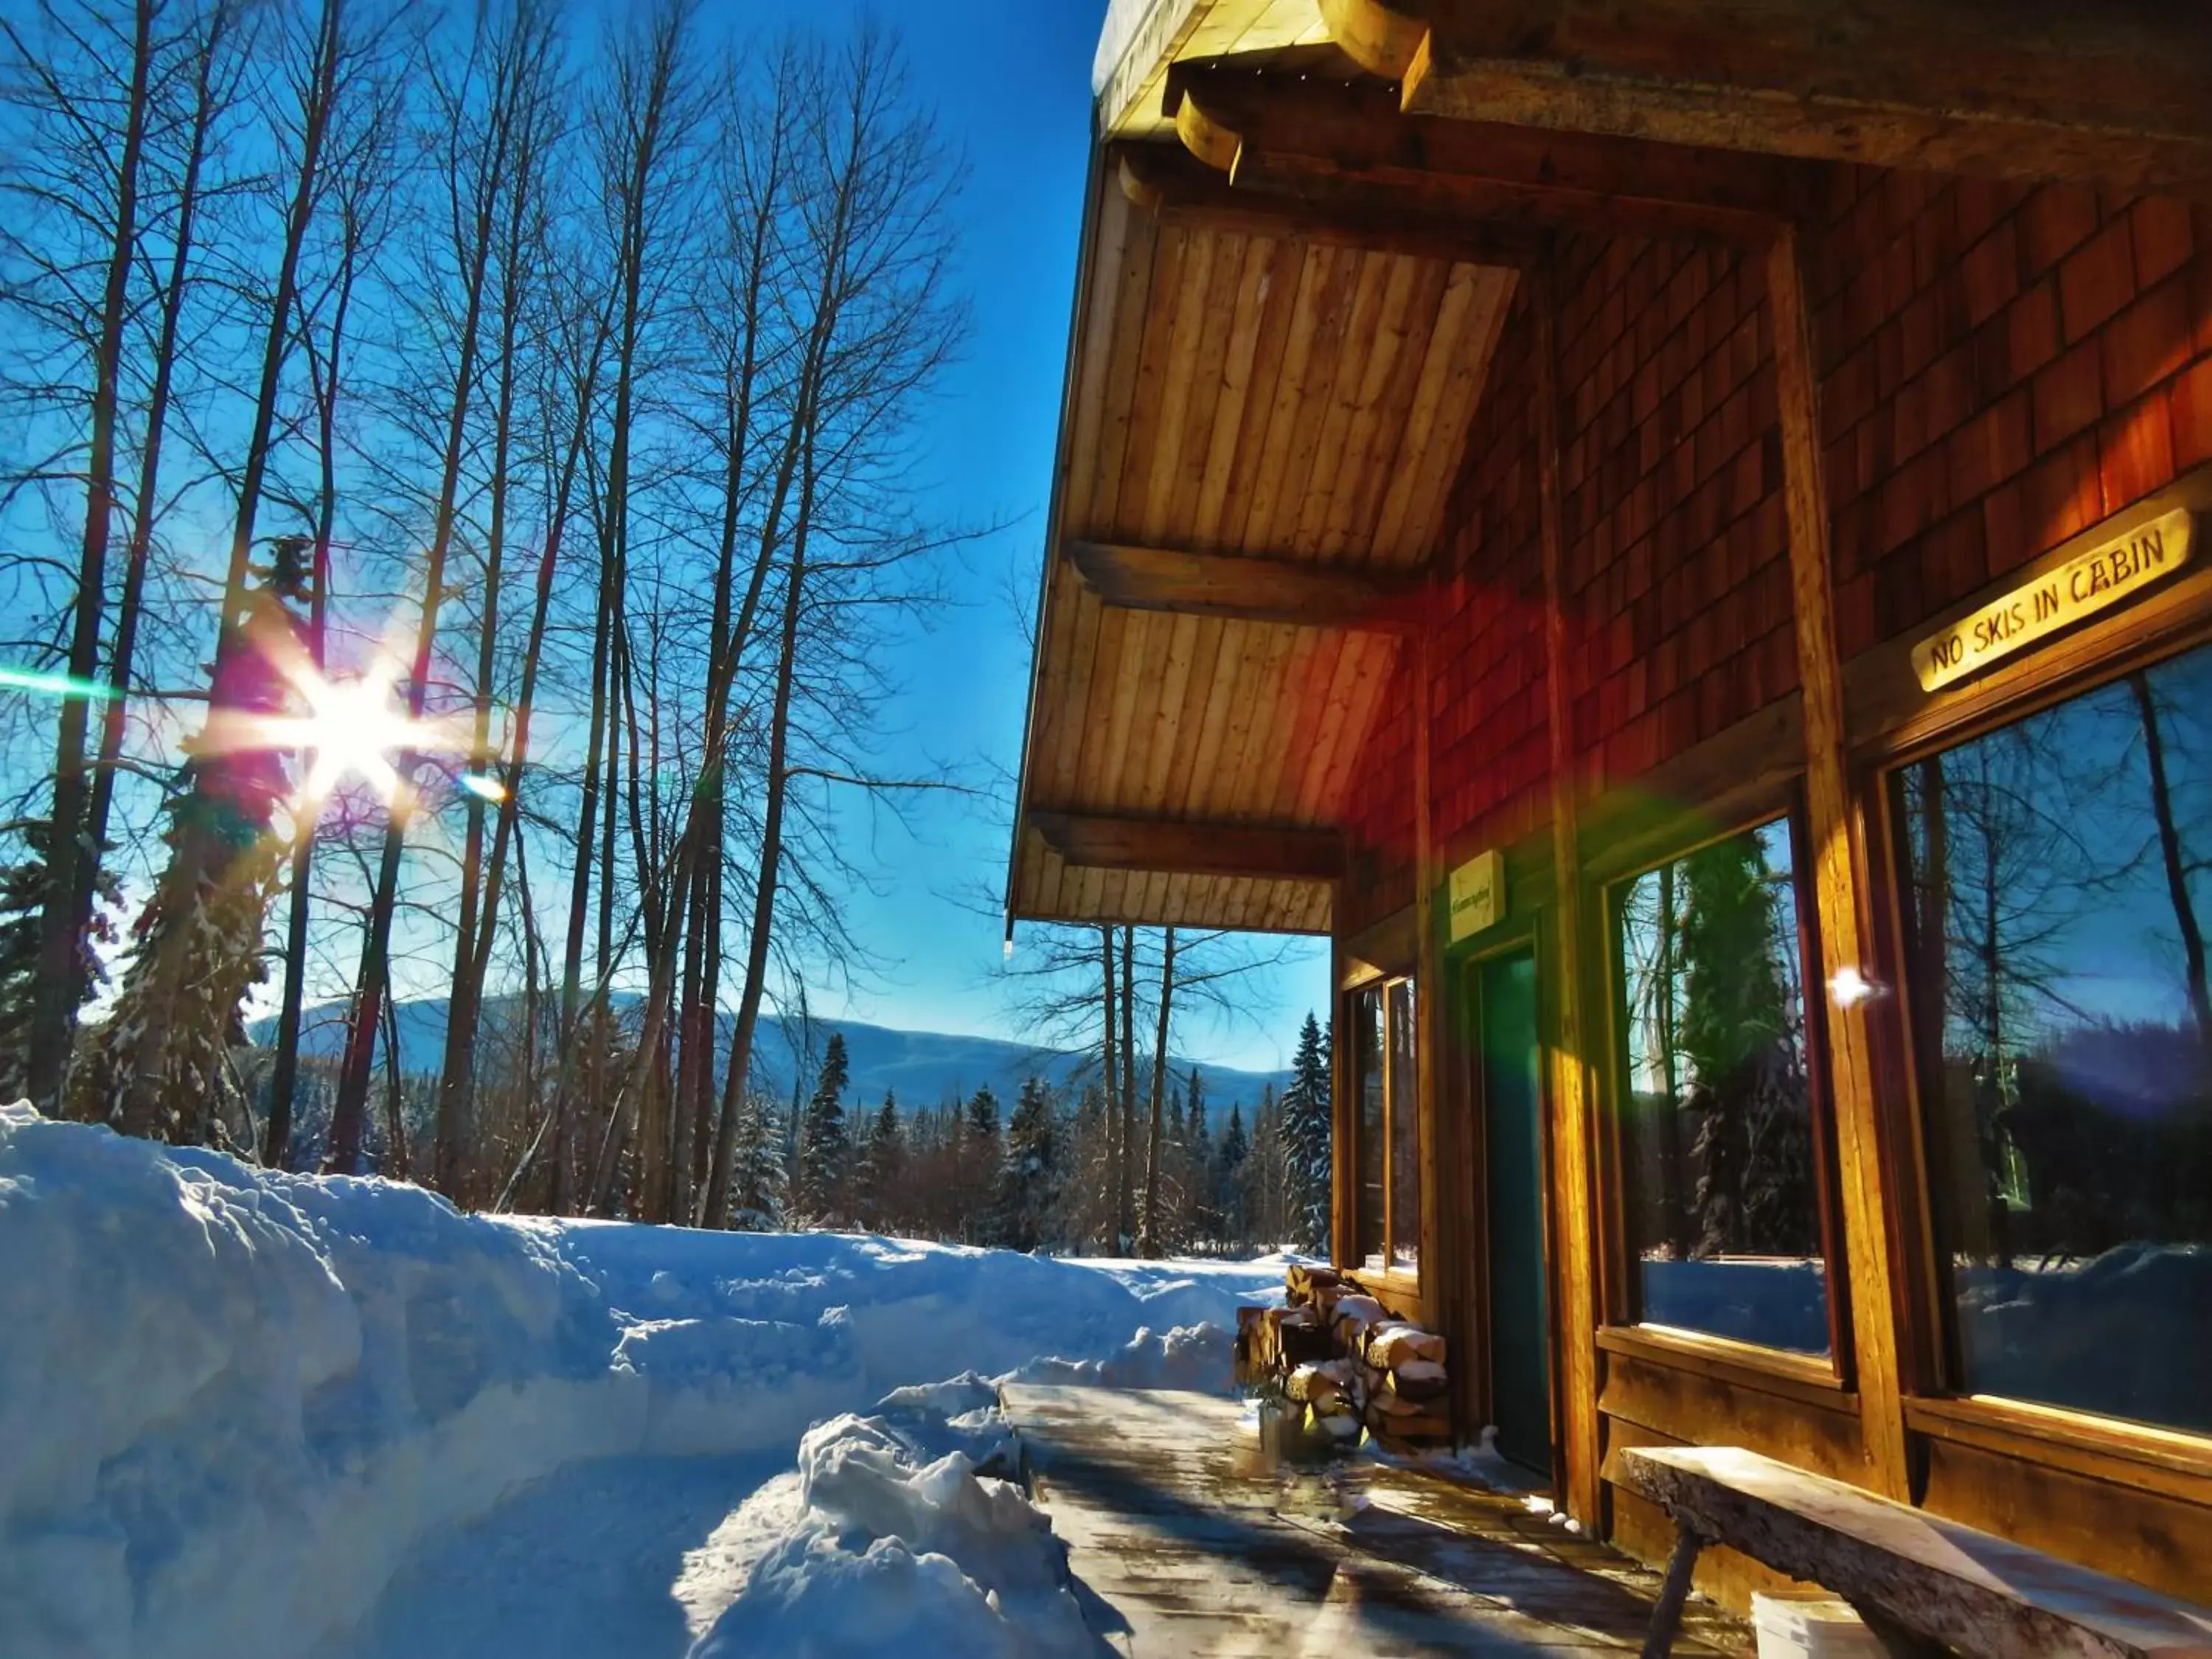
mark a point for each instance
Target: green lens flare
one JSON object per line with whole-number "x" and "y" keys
{"x": 55, "y": 685}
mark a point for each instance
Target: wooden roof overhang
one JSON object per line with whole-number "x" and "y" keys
{"x": 1265, "y": 411}
{"x": 1304, "y": 223}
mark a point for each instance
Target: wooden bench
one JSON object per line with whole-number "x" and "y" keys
{"x": 1921, "y": 1584}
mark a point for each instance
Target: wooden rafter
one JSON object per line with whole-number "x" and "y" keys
{"x": 1167, "y": 182}
{"x": 1191, "y": 846}
{"x": 1315, "y": 126}
{"x": 2036, "y": 90}
{"x": 1253, "y": 589}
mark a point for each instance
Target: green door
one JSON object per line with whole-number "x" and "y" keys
{"x": 1520, "y": 1330}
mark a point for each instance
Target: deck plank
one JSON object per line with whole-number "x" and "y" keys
{"x": 1187, "y": 1539}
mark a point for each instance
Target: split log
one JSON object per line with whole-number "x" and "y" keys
{"x": 1417, "y": 1380}
{"x": 1395, "y": 1343}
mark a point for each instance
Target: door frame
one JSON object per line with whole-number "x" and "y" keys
{"x": 1463, "y": 966}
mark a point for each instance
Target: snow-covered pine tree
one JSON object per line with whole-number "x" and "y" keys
{"x": 22, "y": 899}
{"x": 1305, "y": 1141}
{"x": 758, "y": 1185}
{"x": 157, "y": 1065}
{"x": 824, "y": 1149}
{"x": 1029, "y": 1175}
{"x": 883, "y": 1166}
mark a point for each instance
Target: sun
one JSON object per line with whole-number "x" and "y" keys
{"x": 354, "y": 728}
{"x": 357, "y": 726}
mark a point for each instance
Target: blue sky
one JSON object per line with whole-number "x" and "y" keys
{"x": 1011, "y": 81}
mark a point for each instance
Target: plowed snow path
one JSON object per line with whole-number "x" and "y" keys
{"x": 618, "y": 1557}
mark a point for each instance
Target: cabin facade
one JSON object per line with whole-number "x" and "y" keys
{"x": 1674, "y": 537}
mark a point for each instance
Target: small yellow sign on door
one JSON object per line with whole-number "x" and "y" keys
{"x": 2103, "y": 576}
{"x": 1475, "y": 897}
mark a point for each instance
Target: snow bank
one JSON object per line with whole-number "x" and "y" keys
{"x": 234, "y": 1400}
{"x": 892, "y": 1555}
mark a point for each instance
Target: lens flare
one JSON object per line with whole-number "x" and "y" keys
{"x": 55, "y": 685}
{"x": 354, "y": 726}
{"x": 1849, "y": 987}
{"x": 484, "y": 787}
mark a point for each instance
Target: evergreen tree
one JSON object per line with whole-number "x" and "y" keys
{"x": 883, "y": 1167}
{"x": 824, "y": 1149}
{"x": 1263, "y": 1176}
{"x": 157, "y": 1065}
{"x": 1305, "y": 1142}
{"x": 978, "y": 1182}
{"x": 758, "y": 1185}
{"x": 1029, "y": 1175}
{"x": 1200, "y": 1212}
{"x": 22, "y": 898}
{"x": 1235, "y": 1222}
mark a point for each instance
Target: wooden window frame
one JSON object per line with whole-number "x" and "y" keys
{"x": 1936, "y": 1402}
{"x": 1621, "y": 1329}
{"x": 1402, "y": 1278}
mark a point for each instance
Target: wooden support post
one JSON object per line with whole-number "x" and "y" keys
{"x": 1666, "y": 1612}
{"x": 1445, "y": 1248}
{"x": 1574, "y": 1230}
{"x": 1838, "y": 878}
{"x": 1343, "y": 1126}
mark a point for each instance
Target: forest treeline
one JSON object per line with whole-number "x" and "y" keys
{"x": 1038, "y": 1172}
{"x": 482, "y": 439}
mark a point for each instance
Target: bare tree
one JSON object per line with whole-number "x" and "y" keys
{"x": 488, "y": 101}
{"x": 876, "y": 324}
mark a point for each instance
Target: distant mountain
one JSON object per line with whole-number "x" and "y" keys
{"x": 924, "y": 1067}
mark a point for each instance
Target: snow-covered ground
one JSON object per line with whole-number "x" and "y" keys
{"x": 252, "y": 1413}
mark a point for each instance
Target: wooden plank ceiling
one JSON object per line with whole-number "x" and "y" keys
{"x": 1129, "y": 103}
{"x": 1250, "y": 397}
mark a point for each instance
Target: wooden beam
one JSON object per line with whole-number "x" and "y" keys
{"x": 1572, "y": 1073}
{"x": 1452, "y": 1254}
{"x": 1170, "y": 182}
{"x": 1317, "y": 127}
{"x": 1869, "y": 1187}
{"x": 2040, "y": 89}
{"x": 1252, "y": 589}
{"x": 1191, "y": 846}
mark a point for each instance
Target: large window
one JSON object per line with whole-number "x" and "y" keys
{"x": 1388, "y": 1149}
{"x": 1722, "y": 1165}
{"x": 2060, "y": 885}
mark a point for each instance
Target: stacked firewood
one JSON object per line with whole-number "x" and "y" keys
{"x": 1333, "y": 1355}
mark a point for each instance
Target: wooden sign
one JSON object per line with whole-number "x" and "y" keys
{"x": 1476, "y": 896}
{"x": 2103, "y": 576}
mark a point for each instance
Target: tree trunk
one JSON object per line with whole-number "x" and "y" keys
{"x": 60, "y": 947}
{"x": 283, "y": 1079}
{"x": 1117, "y": 1149}
{"x": 1151, "y": 1244}
{"x": 764, "y": 883}
{"x": 1126, "y": 1222}
{"x": 346, "y": 1115}
{"x": 122, "y": 654}
{"x": 2170, "y": 858}
{"x": 198, "y": 867}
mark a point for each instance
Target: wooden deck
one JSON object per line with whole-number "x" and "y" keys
{"x": 1186, "y": 1538}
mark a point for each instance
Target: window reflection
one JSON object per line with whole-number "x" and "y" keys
{"x": 2060, "y": 874}
{"x": 1389, "y": 1147}
{"x": 1367, "y": 1030}
{"x": 1405, "y": 1131}
{"x": 1723, "y": 1199}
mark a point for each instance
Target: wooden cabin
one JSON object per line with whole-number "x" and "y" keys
{"x": 1675, "y": 536}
